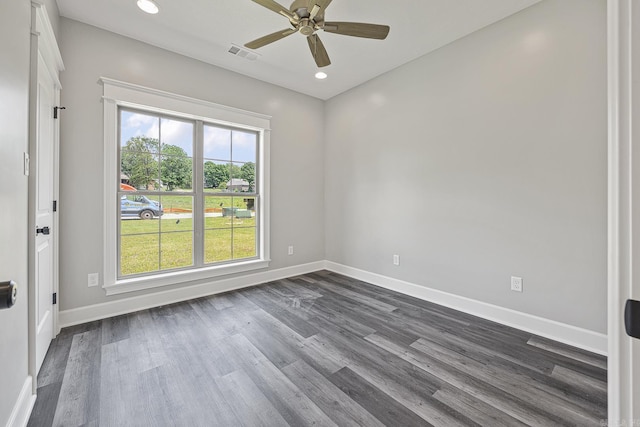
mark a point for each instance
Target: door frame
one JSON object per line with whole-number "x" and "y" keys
{"x": 43, "y": 44}
{"x": 623, "y": 22}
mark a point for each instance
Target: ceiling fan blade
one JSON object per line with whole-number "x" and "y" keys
{"x": 318, "y": 51}
{"x": 317, "y": 6}
{"x": 276, "y": 7}
{"x": 356, "y": 29}
{"x": 263, "y": 41}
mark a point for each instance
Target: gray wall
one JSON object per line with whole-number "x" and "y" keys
{"x": 297, "y": 214}
{"x": 14, "y": 123}
{"x": 482, "y": 160}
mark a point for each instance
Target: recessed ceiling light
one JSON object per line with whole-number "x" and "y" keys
{"x": 320, "y": 75}
{"x": 148, "y": 6}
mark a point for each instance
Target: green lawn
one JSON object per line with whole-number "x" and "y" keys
{"x": 165, "y": 225}
{"x": 163, "y": 244}
{"x": 186, "y": 202}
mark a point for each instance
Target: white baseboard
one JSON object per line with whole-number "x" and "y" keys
{"x": 24, "y": 405}
{"x": 129, "y": 305}
{"x": 572, "y": 335}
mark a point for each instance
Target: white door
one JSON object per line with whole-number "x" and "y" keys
{"x": 634, "y": 112}
{"x": 624, "y": 208}
{"x": 42, "y": 160}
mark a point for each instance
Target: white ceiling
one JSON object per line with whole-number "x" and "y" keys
{"x": 206, "y": 29}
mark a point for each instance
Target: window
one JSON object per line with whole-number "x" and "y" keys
{"x": 185, "y": 189}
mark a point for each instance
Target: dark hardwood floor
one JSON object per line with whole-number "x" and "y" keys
{"x": 319, "y": 349}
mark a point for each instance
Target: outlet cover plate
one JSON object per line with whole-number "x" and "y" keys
{"x": 93, "y": 279}
{"x": 516, "y": 284}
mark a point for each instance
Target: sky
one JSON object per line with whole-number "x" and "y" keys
{"x": 220, "y": 144}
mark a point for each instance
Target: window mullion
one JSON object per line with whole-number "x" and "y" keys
{"x": 198, "y": 201}
{"x": 159, "y": 182}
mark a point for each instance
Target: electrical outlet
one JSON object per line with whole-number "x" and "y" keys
{"x": 396, "y": 260}
{"x": 290, "y": 251}
{"x": 93, "y": 279}
{"x": 516, "y": 284}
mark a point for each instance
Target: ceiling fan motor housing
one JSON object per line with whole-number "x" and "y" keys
{"x": 306, "y": 27}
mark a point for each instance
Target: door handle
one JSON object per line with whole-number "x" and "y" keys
{"x": 43, "y": 230}
{"x": 632, "y": 318}
{"x": 8, "y": 294}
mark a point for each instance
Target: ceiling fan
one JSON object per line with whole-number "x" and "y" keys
{"x": 306, "y": 17}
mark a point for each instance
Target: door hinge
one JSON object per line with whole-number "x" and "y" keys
{"x": 55, "y": 297}
{"x": 55, "y": 111}
{"x": 55, "y": 206}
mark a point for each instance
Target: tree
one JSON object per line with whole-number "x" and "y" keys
{"x": 236, "y": 172}
{"x": 175, "y": 167}
{"x": 139, "y": 161}
{"x": 215, "y": 174}
{"x": 248, "y": 173}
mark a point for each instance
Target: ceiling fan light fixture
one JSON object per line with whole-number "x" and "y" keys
{"x": 320, "y": 75}
{"x": 148, "y": 6}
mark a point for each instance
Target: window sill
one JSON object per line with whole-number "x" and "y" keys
{"x": 179, "y": 277}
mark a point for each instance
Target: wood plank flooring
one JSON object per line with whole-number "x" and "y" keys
{"x": 320, "y": 349}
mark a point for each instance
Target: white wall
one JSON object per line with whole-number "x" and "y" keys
{"x": 297, "y": 214}
{"x": 482, "y": 160}
{"x": 14, "y": 122}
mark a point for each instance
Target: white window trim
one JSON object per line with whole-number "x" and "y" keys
{"x": 117, "y": 94}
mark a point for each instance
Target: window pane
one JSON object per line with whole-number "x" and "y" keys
{"x": 129, "y": 226}
{"x": 226, "y": 212}
{"x": 177, "y": 134}
{"x": 176, "y": 204}
{"x": 216, "y": 175}
{"x": 243, "y": 146}
{"x": 176, "y": 171}
{"x": 140, "y": 169}
{"x": 139, "y": 129}
{"x": 244, "y": 242}
{"x": 217, "y": 212}
{"x": 176, "y": 249}
{"x": 245, "y": 214}
{"x": 138, "y": 206}
{"x": 217, "y": 245}
{"x": 244, "y": 228}
{"x": 178, "y": 213}
{"x": 243, "y": 177}
{"x": 139, "y": 254}
{"x": 217, "y": 143}
{"x": 176, "y": 226}
{"x": 176, "y": 238}
{"x": 139, "y": 227}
